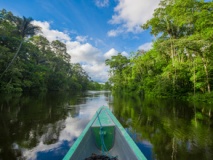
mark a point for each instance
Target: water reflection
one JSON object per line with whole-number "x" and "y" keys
{"x": 45, "y": 126}
{"x": 172, "y": 128}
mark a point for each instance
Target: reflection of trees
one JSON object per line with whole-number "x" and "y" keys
{"x": 169, "y": 125}
{"x": 27, "y": 120}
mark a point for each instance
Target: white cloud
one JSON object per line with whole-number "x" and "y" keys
{"x": 110, "y": 53}
{"x": 99, "y": 72}
{"x": 102, "y": 3}
{"x": 81, "y": 38}
{"x": 131, "y": 14}
{"x": 91, "y": 58}
{"x": 145, "y": 46}
{"x": 115, "y": 32}
{"x": 113, "y": 52}
{"x": 124, "y": 54}
{"x": 112, "y": 33}
{"x": 51, "y": 34}
{"x": 84, "y": 53}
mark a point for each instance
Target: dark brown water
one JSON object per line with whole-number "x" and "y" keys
{"x": 45, "y": 126}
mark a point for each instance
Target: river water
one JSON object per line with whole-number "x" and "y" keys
{"x": 45, "y": 126}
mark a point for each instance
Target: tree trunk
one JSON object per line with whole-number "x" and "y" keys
{"x": 173, "y": 63}
{"x": 14, "y": 57}
{"x": 207, "y": 75}
{"x": 194, "y": 77}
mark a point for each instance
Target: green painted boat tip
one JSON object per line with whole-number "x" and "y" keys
{"x": 111, "y": 129}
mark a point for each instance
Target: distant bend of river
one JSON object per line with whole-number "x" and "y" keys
{"x": 40, "y": 127}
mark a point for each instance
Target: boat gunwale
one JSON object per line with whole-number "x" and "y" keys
{"x": 127, "y": 137}
{"x": 121, "y": 129}
{"x": 81, "y": 136}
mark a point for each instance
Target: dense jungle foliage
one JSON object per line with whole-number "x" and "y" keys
{"x": 180, "y": 62}
{"x": 29, "y": 62}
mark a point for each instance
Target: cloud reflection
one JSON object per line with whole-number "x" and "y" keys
{"x": 70, "y": 128}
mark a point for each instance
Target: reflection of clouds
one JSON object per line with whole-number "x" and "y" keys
{"x": 147, "y": 144}
{"x": 41, "y": 147}
{"x": 73, "y": 128}
{"x": 70, "y": 128}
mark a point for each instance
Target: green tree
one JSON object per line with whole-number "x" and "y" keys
{"x": 184, "y": 31}
{"x": 60, "y": 49}
{"x": 39, "y": 65}
{"x": 118, "y": 64}
{"x": 24, "y": 28}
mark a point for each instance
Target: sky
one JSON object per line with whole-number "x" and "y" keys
{"x": 93, "y": 30}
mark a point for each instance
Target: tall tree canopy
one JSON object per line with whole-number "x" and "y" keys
{"x": 29, "y": 62}
{"x": 181, "y": 60}
{"x": 24, "y": 28}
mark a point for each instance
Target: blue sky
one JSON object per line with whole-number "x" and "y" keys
{"x": 93, "y": 30}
